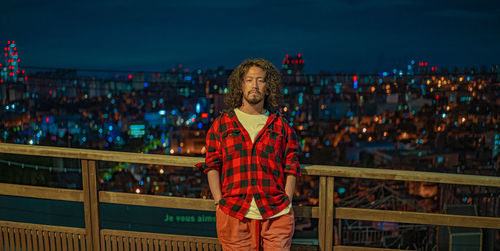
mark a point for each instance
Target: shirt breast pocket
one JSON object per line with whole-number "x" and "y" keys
{"x": 232, "y": 141}
{"x": 272, "y": 146}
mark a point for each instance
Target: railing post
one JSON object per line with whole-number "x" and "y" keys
{"x": 91, "y": 204}
{"x": 322, "y": 206}
{"x": 329, "y": 214}
{"x": 326, "y": 210}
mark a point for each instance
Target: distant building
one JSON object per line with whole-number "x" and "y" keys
{"x": 293, "y": 65}
{"x": 416, "y": 158}
{"x": 333, "y": 110}
{"x": 11, "y": 75}
{"x": 10, "y": 70}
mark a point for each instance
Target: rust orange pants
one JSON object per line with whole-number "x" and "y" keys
{"x": 249, "y": 234}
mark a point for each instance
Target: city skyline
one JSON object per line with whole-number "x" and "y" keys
{"x": 363, "y": 37}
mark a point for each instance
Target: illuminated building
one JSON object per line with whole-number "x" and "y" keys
{"x": 293, "y": 65}
{"x": 10, "y": 70}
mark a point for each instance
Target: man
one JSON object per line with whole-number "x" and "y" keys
{"x": 252, "y": 162}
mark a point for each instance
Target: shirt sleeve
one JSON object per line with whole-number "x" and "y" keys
{"x": 213, "y": 157}
{"x": 292, "y": 164}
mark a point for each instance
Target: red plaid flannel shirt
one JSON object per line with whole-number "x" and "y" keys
{"x": 248, "y": 169}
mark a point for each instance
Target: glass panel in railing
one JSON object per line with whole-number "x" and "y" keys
{"x": 41, "y": 211}
{"x": 160, "y": 180}
{"x": 420, "y": 197}
{"x": 400, "y": 236}
{"x": 306, "y": 194}
{"x": 40, "y": 171}
{"x": 176, "y": 181}
{"x": 29, "y": 202}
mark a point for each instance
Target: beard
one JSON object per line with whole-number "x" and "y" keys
{"x": 255, "y": 99}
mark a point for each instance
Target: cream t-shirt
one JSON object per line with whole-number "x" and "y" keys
{"x": 253, "y": 124}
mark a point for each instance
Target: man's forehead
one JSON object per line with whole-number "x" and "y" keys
{"x": 255, "y": 71}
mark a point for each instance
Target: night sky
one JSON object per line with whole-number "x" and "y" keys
{"x": 334, "y": 36}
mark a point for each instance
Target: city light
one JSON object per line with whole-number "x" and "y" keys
{"x": 370, "y": 122}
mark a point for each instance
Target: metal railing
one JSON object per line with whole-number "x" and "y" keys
{"x": 24, "y": 236}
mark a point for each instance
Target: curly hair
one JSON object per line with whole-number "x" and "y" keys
{"x": 273, "y": 101}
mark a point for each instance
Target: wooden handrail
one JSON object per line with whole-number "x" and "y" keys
{"x": 386, "y": 174}
{"x": 180, "y": 203}
{"x": 416, "y": 218}
{"x": 316, "y": 170}
{"x": 41, "y": 192}
{"x": 114, "y": 156}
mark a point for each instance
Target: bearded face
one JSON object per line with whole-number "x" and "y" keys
{"x": 254, "y": 86}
